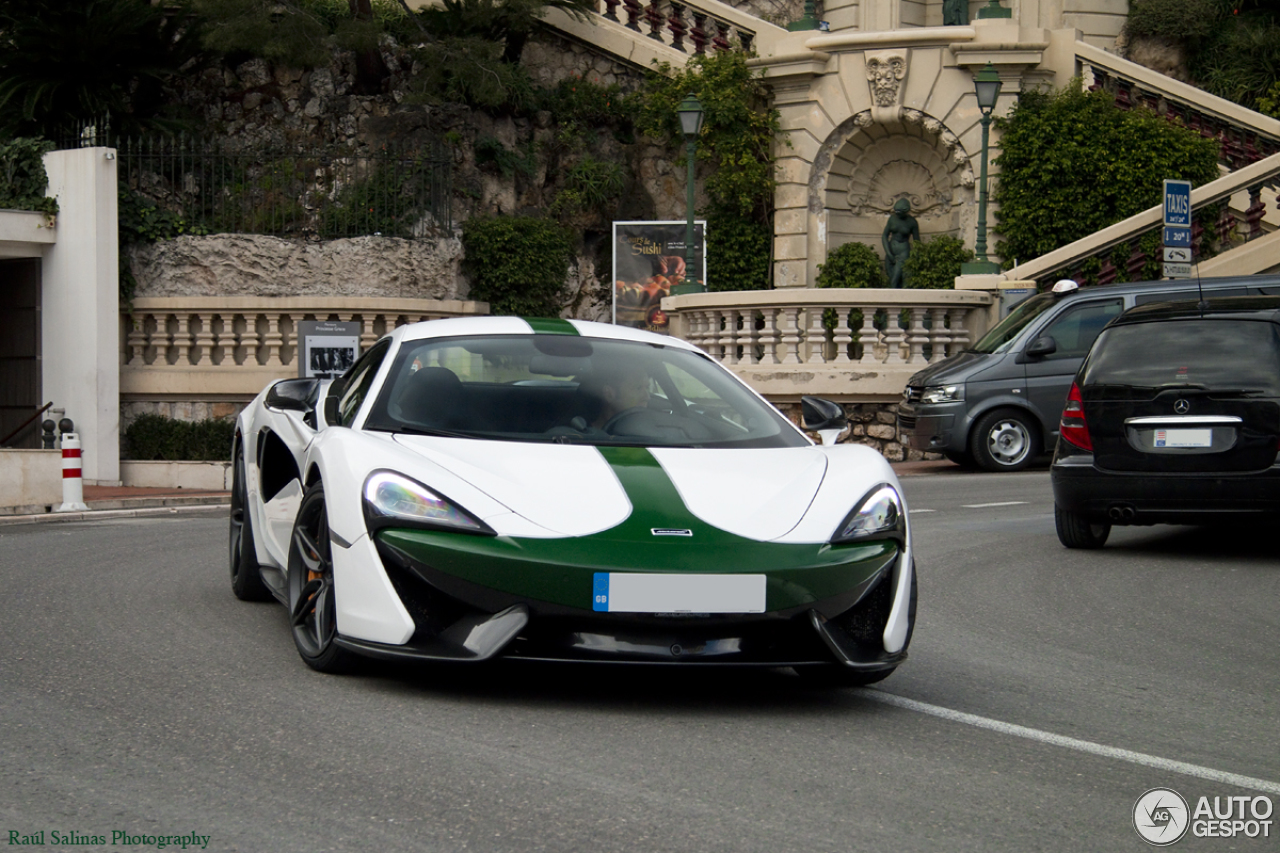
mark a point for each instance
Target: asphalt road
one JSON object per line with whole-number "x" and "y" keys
{"x": 1046, "y": 691}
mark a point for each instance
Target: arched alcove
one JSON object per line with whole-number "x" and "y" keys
{"x": 865, "y": 166}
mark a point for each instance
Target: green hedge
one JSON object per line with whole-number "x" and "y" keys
{"x": 152, "y": 437}
{"x": 518, "y": 264}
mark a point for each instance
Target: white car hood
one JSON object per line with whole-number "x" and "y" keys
{"x": 571, "y": 490}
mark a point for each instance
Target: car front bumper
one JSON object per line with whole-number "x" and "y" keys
{"x": 475, "y": 598}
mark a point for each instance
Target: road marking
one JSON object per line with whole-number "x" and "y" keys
{"x": 1153, "y": 761}
{"x": 998, "y": 503}
{"x": 922, "y": 510}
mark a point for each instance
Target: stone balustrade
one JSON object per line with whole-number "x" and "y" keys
{"x": 851, "y": 345}
{"x": 214, "y": 348}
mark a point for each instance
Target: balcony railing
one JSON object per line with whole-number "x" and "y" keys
{"x": 844, "y": 344}
{"x": 210, "y": 347}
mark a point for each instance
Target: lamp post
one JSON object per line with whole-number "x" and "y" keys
{"x": 690, "y": 112}
{"x": 986, "y": 84}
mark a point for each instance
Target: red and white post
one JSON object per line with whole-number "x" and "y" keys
{"x": 72, "y": 477}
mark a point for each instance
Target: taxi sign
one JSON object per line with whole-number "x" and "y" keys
{"x": 1177, "y": 254}
{"x": 1177, "y": 270}
{"x": 1177, "y": 203}
{"x": 1177, "y": 236}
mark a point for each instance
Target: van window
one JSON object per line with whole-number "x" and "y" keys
{"x": 1078, "y": 327}
{"x": 1002, "y": 335}
{"x": 1193, "y": 353}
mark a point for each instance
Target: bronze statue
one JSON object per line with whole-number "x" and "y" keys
{"x": 955, "y": 13}
{"x": 899, "y": 231}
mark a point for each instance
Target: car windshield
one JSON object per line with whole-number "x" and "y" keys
{"x": 569, "y": 389}
{"x": 1220, "y": 356}
{"x": 1002, "y": 335}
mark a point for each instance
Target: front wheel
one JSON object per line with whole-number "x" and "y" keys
{"x": 1004, "y": 441}
{"x": 313, "y": 612}
{"x": 1077, "y": 531}
{"x": 246, "y": 576}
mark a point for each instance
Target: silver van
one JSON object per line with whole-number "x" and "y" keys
{"x": 997, "y": 404}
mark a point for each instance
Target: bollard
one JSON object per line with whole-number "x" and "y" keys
{"x": 47, "y": 438}
{"x": 72, "y": 479}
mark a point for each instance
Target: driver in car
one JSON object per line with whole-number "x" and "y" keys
{"x": 618, "y": 389}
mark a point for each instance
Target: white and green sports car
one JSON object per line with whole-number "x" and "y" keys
{"x": 562, "y": 490}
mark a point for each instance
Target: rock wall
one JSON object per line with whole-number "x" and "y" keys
{"x": 254, "y": 265}
{"x": 872, "y": 424}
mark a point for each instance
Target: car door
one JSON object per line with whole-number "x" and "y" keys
{"x": 1049, "y": 375}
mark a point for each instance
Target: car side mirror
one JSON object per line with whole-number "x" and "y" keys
{"x": 295, "y": 395}
{"x": 824, "y": 417}
{"x": 331, "y": 410}
{"x": 1042, "y": 346}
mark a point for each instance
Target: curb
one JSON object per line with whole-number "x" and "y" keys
{"x": 210, "y": 509}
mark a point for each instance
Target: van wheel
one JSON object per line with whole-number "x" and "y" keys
{"x": 1077, "y": 531}
{"x": 1005, "y": 440}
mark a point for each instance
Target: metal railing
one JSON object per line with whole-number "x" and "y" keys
{"x": 310, "y": 192}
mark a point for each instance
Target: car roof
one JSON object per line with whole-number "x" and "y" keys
{"x": 1128, "y": 287}
{"x": 471, "y": 326}
{"x": 1222, "y": 307}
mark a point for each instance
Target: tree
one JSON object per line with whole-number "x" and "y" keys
{"x": 1073, "y": 163}
{"x": 64, "y": 63}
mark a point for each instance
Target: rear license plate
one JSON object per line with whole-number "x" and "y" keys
{"x": 1184, "y": 438}
{"x": 628, "y": 592}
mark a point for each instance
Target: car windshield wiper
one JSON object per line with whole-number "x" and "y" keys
{"x": 401, "y": 429}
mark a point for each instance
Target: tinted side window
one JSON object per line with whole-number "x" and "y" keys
{"x": 353, "y": 387}
{"x": 1077, "y": 328}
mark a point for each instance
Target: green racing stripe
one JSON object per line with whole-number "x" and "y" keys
{"x": 550, "y": 326}
{"x": 561, "y": 570}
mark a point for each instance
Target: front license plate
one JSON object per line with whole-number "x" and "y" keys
{"x": 628, "y": 592}
{"x": 1184, "y": 438}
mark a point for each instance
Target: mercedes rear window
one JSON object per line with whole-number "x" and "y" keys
{"x": 1210, "y": 354}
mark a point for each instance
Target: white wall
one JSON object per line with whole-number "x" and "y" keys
{"x": 80, "y": 312}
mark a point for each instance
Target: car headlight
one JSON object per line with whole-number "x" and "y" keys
{"x": 878, "y": 515}
{"x": 392, "y": 500}
{"x": 943, "y": 394}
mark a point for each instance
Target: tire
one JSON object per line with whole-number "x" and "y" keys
{"x": 313, "y": 618}
{"x": 1005, "y": 440}
{"x": 246, "y": 575}
{"x": 1077, "y": 531}
{"x": 961, "y": 458}
{"x": 834, "y": 675}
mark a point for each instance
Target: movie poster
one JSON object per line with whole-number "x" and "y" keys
{"x": 649, "y": 260}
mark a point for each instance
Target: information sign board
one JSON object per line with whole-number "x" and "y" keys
{"x": 1177, "y": 236}
{"x": 1177, "y": 270}
{"x": 1177, "y": 203}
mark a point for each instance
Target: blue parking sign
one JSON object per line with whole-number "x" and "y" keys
{"x": 1177, "y": 237}
{"x": 1177, "y": 203}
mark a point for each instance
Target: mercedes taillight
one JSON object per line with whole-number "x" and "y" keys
{"x": 1074, "y": 428}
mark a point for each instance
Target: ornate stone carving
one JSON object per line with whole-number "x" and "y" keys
{"x": 885, "y": 72}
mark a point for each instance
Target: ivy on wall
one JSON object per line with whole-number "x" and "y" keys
{"x": 1073, "y": 163}
{"x": 518, "y": 264}
{"x": 23, "y": 180}
{"x": 740, "y": 127}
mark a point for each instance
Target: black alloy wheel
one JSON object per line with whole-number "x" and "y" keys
{"x": 1078, "y": 531}
{"x": 246, "y": 575}
{"x": 313, "y": 613}
{"x": 1005, "y": 440}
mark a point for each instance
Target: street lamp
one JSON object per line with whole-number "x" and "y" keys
{"x": 690, "y": 112}
{"x": 986, "y": 85}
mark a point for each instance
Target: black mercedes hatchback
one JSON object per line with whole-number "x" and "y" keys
{"x": 1173, "y": 418}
